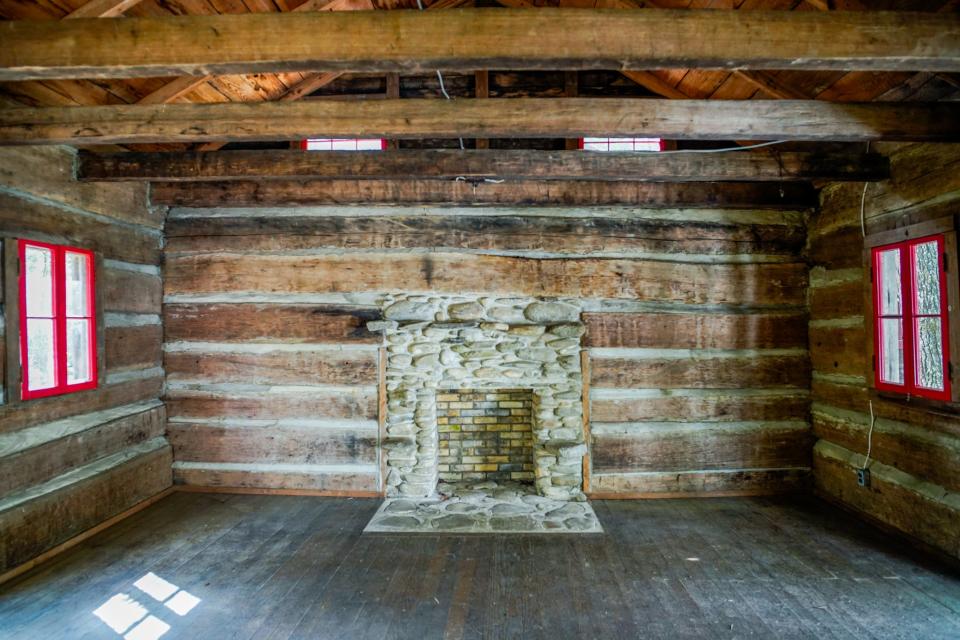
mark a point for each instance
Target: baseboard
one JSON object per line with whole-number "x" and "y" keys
{"x": 320, "y": 493}
{"x": 665, "y": 495}
{"x": 916, "y": 545}
{"x": 81, "y": 537}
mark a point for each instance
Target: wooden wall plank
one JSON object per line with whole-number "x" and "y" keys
{"x": 197, "y": 442}
{"x": 278, "y": 477}
{"x": 572, "y": 235}
{"x": 681, "y": 408}
{"x": 41, "y": 221}
{"x": 126, "y": 291}
{"x": 253, "y": 323}
{"x": 48, "y": 173}
{"x": 696, "y": 331}
{"x": 704, "y": 483}
{"x": 770, "y": 284}
{"x": 59, "y": 515}
{"x": 133, "y": 347}
{"x": 41, "y": 463}
{"x": 838, "y": 349}
{"x": 749, "y": 371}
{"x": 668, "y": 447}
{"x": 272, "y": 367}
{"x": 268, "y": 404}
{"x": 245, "y": 193}
{"x": 20, "y": 416}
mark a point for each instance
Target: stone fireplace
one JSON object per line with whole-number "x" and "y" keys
{"x": 438, "y": 345}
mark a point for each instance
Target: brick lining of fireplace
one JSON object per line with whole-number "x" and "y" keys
{"x": 485, "y": 435}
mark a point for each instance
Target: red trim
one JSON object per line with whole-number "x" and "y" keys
{"x": 910, "y": 317}
{"x": 59, "y": 317}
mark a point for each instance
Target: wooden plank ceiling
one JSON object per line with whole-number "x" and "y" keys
{"x": 714, "y": 84}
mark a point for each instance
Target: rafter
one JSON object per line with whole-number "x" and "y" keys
{"x": 102, "y": 9}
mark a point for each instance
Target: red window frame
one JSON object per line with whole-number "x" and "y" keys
{"x": 304, "y": 144}
{"x": 634, "y": 139}
{"x": 909, "y": 316}
{"x": 59, "y": 317}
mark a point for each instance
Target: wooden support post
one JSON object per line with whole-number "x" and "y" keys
{"x": 482, "y": 91}
{"x": 393, "y": 93}
{"x": 571, "y": 90}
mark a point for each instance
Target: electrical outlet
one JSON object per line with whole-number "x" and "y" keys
{"x": 863, "y": 477}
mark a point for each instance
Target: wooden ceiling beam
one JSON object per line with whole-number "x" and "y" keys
{"x": 101, "y": 9}
{"x": 473, "y": 118}
{"x": 439, "y": 164}
{"x": 794, "y": 195}
{"x": 468, "y": 39}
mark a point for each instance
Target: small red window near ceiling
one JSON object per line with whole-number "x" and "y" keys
{"x": 910, "y": 318}
{"x": 343, "y": 144}
{"x": 621, "y": 144}
{"x": 58, "y": 342}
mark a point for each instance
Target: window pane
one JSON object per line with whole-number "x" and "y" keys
{"x": 926, "y": 269}
{"x": 41, "y": 372}
{"x": 890, "y": 302}
{"x": 78, "y": 266}
{"x": 39, "y": 281}
{"x": 929, "y": 353}
{"x": 78, "y": 351}
{"x": 891, "y": 355}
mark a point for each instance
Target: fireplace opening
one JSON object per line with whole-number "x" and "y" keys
{"x": 485, "y": 434}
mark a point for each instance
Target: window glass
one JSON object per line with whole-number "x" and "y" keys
{"x": 39, "y": 268}
{"x": 890, "y": 283}
{"x": 929, "y": 353}
{"x": 891, "y": 352}
{"x": 621, "y": 144}
{"x": 41, "y": 369}
{"x": 78, "y": 351}
{"x": 343, "y": 144}
{"x": 77, "y": 281}
{"x": 926, "y": 270}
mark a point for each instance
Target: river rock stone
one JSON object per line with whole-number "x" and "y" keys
{"x": 551, "y": 312}
{"x": 409, "y": 310}
{"x": 466, "y": 311}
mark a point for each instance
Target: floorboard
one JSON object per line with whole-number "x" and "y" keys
{"x": 286, "y": 567}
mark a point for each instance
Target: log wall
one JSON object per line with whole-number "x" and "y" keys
{"x": 68, "y": 463}
{"x": 697, "y": 339}
{"x": 916, "y": 449}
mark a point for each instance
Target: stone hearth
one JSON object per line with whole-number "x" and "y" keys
{"x": 436, "y": 343}
{"x": 483, "y": 507}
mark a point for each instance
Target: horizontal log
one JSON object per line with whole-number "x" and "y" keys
{"x": 272, "y": 367}
{"x": 680, "y": 407}
{"x": 95, "y": 493}
{"x": 523, "y": 193}
{"x": 253, "y": 323}
{"x": 65, "y": 447}
{"x": 696, "y": 331}
{"x": 276, "y": 476}
{"x": 837, "y": 299}
{"x": 740, "y": 284}
{"x": 839, "y": 350}
{"x": 746, "y": 372}
{"x": 298, "y": 444}
{"x": 26, "y": 414}
{"x": 510, "y": 164}
{"x": 405, "y": 41}
{"x": 22, "y": 218}
{"x": 545, "y": 234}
{"x": 855, "y": 397}
{"x": 479, "y": 118}
{"x": 930, "y": 456}
{"x": 718, "y": 483}
{"x": 136, "y": 346}
{"x": 48, "y": 173}
{"x": 679, "y": 446}
{"x": 126, "y": 291}
{"x": 921, "y": 510}
{"x": 268, "y": 403}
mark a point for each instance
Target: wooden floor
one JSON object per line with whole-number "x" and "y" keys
{"x": 297, "y": 567}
